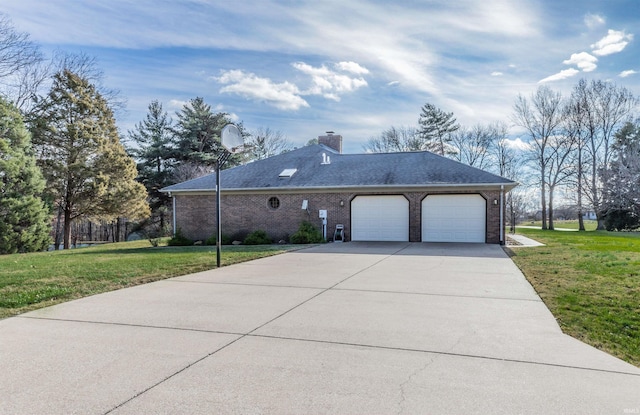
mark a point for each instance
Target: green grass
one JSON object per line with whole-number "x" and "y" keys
{"x": 589, "y": 225}
{"x": 591, "y": 283}
{"x": 31, "y": 281}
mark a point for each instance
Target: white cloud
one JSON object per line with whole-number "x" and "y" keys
{"x": 330, "y": 84}
{"x": 624, "y": 74}
{"x": 496, "y": 73}
{"x": 583, "y": 60}
{"x": 284, "y": 96}
{"x": 393, "y": 83}
{"x": 177, "y": 104}
{"x": 567, "y": 73}
{"x": 352, "y": 67}
{"x": 615, "y": 41}
{"x": 593, "y": 20}
{"x": 517, "y": 144}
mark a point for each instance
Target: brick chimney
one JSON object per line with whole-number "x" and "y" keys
{"x": 331, "y": 140}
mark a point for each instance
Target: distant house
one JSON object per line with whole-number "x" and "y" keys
{"x": 411, "y": 196}
{"x": 590, "y": 215}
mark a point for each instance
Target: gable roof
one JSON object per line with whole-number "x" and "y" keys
{"x": 373, "y": 170}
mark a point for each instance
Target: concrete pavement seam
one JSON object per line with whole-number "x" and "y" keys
{"x": 471, "y": 356}
{"x": 330, "y": 288}
{"x": 358, "y": 290}
{"x": 172, "y": 375}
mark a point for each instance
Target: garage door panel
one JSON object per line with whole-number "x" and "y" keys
{"x": 380, "y": 218}
{"x": 454, "y": 218}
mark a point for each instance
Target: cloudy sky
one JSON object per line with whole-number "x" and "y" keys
{"x": 351, "y": 66}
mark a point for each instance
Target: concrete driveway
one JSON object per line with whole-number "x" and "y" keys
{"x": 362, "y": 328}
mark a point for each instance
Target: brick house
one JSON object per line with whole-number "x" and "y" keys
{"x": 412, "y": 196}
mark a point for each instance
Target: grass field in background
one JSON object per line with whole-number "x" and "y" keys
{"x": 31, "y": 281}
{"x": 591, "y": 283}
{"x": 589, "y": 225}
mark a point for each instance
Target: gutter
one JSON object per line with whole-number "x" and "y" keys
{"x": 299, "y": 189}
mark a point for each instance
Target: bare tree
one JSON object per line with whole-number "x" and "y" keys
{"x": 17, "y": 51}
{"x": 265, "y": 143}
{"x": 395, "y": 139}
{"x": 560, "y": 167}
{"x": 577, "y": 124}
{"x": 540, "y": 116}
{"x": 188, "y": 171}
{"x": 21, "y": 64}
{"x": 603, "y": 109}
{"x": 474, "y": 146}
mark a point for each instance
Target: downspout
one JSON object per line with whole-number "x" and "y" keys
{"x": 501, "y": 214}
{"x": 173, "y": 201}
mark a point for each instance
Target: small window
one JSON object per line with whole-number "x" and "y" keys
{"x": 274, "y": 202}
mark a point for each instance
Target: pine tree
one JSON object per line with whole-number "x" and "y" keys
{"x": 436, "y": 127}
{"x": 198, "y": 135}
{"x": 87, "y": 170}
{"x": 622, "y": 189}
{"x": 154, "y": 151}
{"x": 25, "y": 222}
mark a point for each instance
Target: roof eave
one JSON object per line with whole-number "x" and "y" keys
{"x": 324, "y": 189}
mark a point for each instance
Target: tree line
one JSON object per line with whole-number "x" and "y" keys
{"x": 586, "y": 144}
{"x": 63, "y": 162}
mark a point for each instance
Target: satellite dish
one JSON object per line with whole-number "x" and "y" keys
{"x": 231, "y": 138}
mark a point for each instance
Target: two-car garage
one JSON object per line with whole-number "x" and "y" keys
{"x": 444, "y": 218}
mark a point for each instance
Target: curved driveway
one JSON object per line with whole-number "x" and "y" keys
{"x": 362, "y": 328}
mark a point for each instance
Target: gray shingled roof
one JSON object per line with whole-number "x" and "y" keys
{"x": 346, "y": 170}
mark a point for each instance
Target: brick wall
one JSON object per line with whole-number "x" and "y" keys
{"x": 242, "y": 214}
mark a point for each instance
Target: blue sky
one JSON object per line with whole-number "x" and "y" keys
{"x": 354, "y": 67}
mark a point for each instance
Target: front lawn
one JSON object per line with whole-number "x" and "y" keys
{"x": 589, "y": 225}
{"x": 31, "y": 281}
{"x": 591, "y": 283}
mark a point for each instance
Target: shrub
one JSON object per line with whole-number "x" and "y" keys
{"x": 257, "y": 238}
{"x": 226, "y": 240}
{"x": 153, "y": 232}
{"x": 307, "y": 234}
{"x": 179, "y": 240}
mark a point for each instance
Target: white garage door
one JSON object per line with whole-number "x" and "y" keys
{"x": 380, "y": 218}
{"x": 454, "y": 218}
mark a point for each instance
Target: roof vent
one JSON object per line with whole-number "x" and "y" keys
{"x": 325, "y": 159}
{"x": 287, "y": 172}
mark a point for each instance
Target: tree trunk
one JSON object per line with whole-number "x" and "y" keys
{"x": 551, "y": 190}
{"x": 117, "y": 232}
{"x": 67, "y": 228}
{"x": 543, "y": 197}
{"x": 57, "y": 235}
{"x": 580, "y": 211}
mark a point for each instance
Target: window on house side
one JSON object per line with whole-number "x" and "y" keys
{"x": 274, "y": 202}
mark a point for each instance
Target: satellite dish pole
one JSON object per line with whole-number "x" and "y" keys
{"x": 232, "y": 142}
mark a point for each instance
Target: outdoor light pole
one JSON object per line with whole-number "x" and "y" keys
{"x": 232, "y": 142}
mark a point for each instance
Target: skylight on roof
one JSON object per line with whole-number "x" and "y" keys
{"x": 287, "y": 172}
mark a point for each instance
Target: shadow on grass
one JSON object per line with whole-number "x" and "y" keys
{"x": 185, "y": 249}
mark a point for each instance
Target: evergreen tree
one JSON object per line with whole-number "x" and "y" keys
{"x": 25, "y": 222}
{"x": 87, "y": 170}
{"x": 622, "y": 189}
{"x": 436, "y": 127}
{"x": 154, "y": 151}
{"x": 198, "y": 135}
